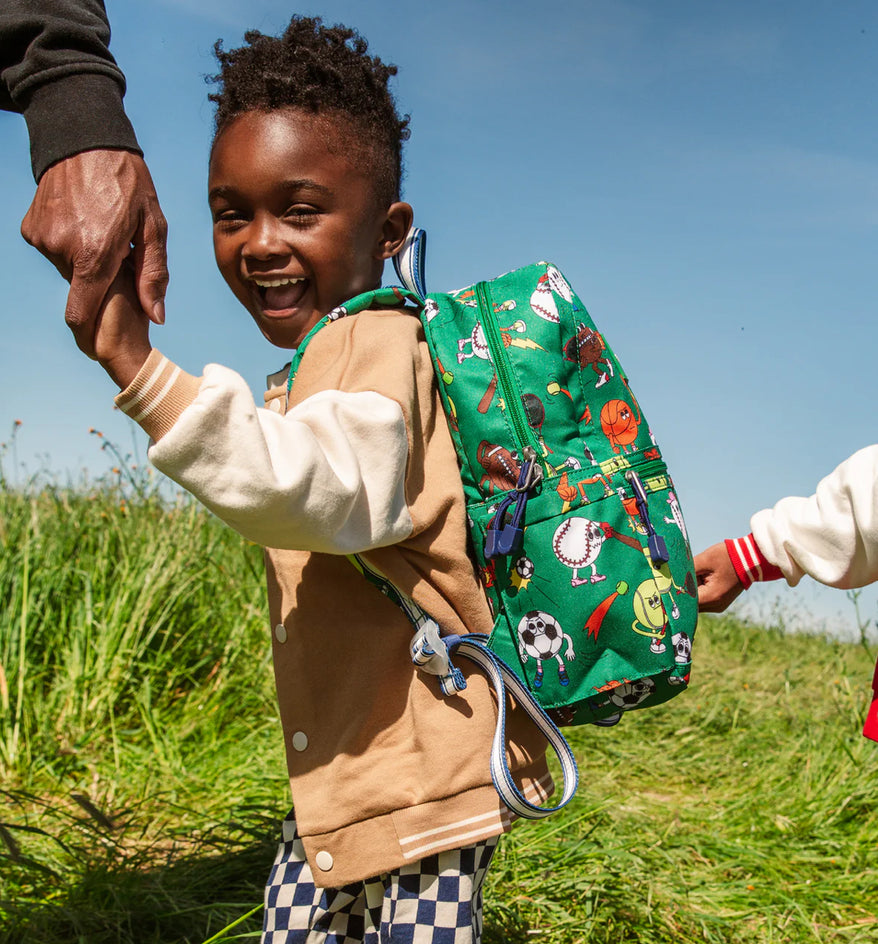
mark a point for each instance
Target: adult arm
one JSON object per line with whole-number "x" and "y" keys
{"x": 95, "y": 195}
{"x": 56, "y": 69}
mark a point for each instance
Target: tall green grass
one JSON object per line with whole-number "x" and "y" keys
{"x": 143, "y": 778}
{"x": 119, "y": 615}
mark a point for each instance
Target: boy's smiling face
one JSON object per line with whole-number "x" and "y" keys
{"x": 298, "y": 228}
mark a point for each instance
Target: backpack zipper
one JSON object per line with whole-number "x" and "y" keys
{"x": 525, "y": 437}
{"x": 658, "y": 551}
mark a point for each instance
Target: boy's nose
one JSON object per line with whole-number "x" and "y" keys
{"x": 265, "y": 238}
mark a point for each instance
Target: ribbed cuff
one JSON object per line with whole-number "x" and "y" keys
{"x": 76, "y": 113}
{"x": 158, "y": 395}
{"x": 749, "y": 562}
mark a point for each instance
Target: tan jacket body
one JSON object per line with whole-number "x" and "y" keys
{"x": 383, "y": 768}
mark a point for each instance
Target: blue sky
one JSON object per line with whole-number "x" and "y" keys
{"x": 706, "y": 175}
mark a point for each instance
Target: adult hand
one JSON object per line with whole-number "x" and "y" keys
{"x": 718, "y": 584}
{"x": 87, "y": 212}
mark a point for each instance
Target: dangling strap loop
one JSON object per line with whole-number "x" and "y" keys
{"x": 431, "y": 652}
{"x": 502, "y": 677}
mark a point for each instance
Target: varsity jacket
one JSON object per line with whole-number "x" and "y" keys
{"x": 832, "y": 535}
{"x": 383, "y": 768}
{"x": 56, "y": 69}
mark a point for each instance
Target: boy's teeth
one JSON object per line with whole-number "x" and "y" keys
{"x": 275, "y": 283}
{"x": 280, "y": 294}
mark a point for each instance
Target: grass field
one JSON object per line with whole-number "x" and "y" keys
{"x": 142, "y": 778}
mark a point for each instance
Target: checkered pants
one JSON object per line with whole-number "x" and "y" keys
{"x": 437, "y": 900}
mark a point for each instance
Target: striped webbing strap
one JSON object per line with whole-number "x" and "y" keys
{"x": 432, "y": 652}
{"x": 390, "y": 296}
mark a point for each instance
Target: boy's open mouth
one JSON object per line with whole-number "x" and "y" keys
{"x": 277, "y": 296}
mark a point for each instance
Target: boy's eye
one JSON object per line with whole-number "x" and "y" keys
{"x": 301, "y": 212}
{"x": 228, "y": 215}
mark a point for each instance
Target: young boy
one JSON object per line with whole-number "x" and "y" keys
{"x": 396, "y": 816}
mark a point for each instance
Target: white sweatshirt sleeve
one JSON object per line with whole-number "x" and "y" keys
{"x": 327, "y": 476}
{"x": 833, "y": 535}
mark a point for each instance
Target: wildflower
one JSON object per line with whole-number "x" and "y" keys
{"x": 17, "y": 423}
{"x": 116, "y": 470}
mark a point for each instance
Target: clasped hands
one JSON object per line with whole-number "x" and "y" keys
{"x": 91, "y": 213}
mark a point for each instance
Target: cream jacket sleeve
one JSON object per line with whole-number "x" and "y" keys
{"x": 326, "y": 476}
{"x": 833, "y": 535}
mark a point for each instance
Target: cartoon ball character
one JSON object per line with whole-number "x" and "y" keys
{"x": 676, "y": 515}
{"x": 577, "y": 543}
{"x": 540, "y": 636}
{"x": 478, "y": 345}
{"x": 620, "y": 426}
{"x": 431, "y": 309}
{"x": 559, "y": 284}
{"x": 522, "y": 573}
{"x": 682, "y": 645}
{"x": 587, "y": 349}
{"x": 650, "y": 618}
{"x": 664, "y": 582}
{"x": 501, "y": 467}
{"x": 542, "y": 301}
{"x": 629, "y": 695}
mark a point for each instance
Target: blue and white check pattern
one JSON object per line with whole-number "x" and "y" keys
{"x": 437, "y": 900}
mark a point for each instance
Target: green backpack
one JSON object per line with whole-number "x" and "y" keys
{"x": 576, "y": 530}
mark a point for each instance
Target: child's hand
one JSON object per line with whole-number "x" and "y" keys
{"x": 121, "y": 341}
{"x": 718, "y": 584}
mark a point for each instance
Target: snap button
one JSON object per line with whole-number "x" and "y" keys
{"x": 300, "y": 741}
{"x": 280, "y": 632}
{"x": 323, "y": 861}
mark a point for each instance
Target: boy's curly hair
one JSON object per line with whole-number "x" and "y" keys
{"x": 323, "y": 70}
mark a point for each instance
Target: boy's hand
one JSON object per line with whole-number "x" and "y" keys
{"x": 718, "y": 584}
{"x": 121, "y": 340}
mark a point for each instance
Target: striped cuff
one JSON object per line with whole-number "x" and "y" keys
{"x": 749, "y": 562}
{"x": 158, "y": 395}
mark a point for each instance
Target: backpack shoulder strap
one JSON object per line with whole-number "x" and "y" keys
{"x": 409, "y": 262}
{"x": 391, "y": 296}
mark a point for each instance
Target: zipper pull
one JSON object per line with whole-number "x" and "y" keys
{"x": 658, "y": 550}
{"x": 503, "y": 538}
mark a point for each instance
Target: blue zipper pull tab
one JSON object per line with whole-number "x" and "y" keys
{"x": 504, "y": 537}
{"x": 658, "y": 550}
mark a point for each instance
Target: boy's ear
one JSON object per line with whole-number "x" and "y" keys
{"x": 395, "y": 229}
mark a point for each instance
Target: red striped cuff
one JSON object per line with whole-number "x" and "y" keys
{"x": 749, "y": 562}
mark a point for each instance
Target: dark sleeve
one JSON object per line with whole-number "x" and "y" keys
{"x": 56, "y": 69}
